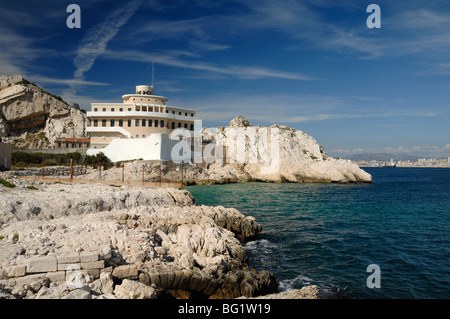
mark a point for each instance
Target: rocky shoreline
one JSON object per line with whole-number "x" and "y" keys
{"x": 87, "y": 241}
{"x": 90, "y": 240}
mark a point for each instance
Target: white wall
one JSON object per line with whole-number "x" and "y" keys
{"x": 157, "y": 146}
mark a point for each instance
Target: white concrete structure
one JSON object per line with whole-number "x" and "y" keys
{"x": 157, "y": 146}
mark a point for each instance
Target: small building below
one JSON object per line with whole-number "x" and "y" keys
{"x": 66, "y": 142}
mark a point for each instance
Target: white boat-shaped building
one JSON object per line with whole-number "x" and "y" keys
{"x": 138, "y": 128}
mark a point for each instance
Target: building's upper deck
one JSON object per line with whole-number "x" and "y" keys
{"x": 141, "y": 104}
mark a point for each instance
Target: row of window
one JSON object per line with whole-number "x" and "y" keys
{"x": 129, "y": 110}
{"x": 111, "y": 110}
{"x": 145, "y": 123}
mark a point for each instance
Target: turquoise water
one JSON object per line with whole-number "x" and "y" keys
{"x": 327, "y": 234}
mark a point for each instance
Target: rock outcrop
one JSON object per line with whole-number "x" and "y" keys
{"x": 93, "y": 241}
{"x": 307, "y": 292}
{"x": 33, "y": 118}
{"x": 281, "y": 154}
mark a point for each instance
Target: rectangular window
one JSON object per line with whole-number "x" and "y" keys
{"x": 173, "y": 112}
{"x": 185, "y": 114}
{"x": 179, "y": 113}
{"x": 104, "y": 109}
{"x": 179, "y": 125}
{"x": 185, "y": 125}
{"x": 162, "y": 123}
{"x": 192, "y": 127}
{"x": 136, "y": 123}
{"x": 121, "y": 109}
{"x": 192, "y": 114}
{"x": 112, "y": 109}
{"x": 121, "y": 123}
{"x": 95, "y": 109}
{"x": 104, "y": 123}
{"x": 173, "y": 125}
{"x": 129, "y": 123}
{"x": 95, "y": 123}
{"x": 129, "y": 109}
{"x": 143, "y": 122}
{"x": 150, "y": 123}
{"x": 113, "y": 123}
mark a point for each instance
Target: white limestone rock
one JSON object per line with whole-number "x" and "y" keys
{"x": 130, "y": 289}
{"x": 299, "y": 158}
{"x": 134, "y": 231}
{"x": 27, "y": 110}
{"x": 307, "y": 292}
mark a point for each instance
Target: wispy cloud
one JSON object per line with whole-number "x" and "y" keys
{"x": 292, "y": 109}
{"x": 403, "y": 33}
{"x": 18, "y": 52}
{"x": 69, "y": 82}
{"x": 239, "y": 71}
{"x": 97, "y": 38}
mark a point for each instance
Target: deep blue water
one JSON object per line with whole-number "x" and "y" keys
{"x": 327, "y": 234}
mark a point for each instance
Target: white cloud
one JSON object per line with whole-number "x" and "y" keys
{"x": 18, "y": 52}
{"x": 70, "y": 82}
{"x": 97, "y": 38}
{"x": 291, "y": 109}
{"x": 242, "y": 72}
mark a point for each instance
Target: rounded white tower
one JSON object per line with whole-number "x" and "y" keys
{"x": 144, "y": 89}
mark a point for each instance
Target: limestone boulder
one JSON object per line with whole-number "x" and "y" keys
{"x": 130, "y": 289}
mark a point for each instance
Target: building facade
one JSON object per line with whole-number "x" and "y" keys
{"x": 66, "y": 142}
{"x": 113, "y": 125}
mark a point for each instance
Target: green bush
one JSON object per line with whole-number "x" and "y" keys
{"x": 50, "y": 162}
{"x": 37, "y": 159}
{"x": 6, "y": 183}
{"x": 98, "y": 159}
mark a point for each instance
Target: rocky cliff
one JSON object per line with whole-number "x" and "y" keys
{"x": 30, "y": 117}
{"x": 94, "y": 241}
{"x": 283, "y": 154}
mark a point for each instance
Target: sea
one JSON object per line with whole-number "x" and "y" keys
{"x": 385, "y": 240}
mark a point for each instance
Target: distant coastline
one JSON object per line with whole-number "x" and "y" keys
{"x": 438, "y": 164}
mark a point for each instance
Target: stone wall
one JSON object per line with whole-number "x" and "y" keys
{"x": 56, "y": 268}
{"x": 49, "y": 171}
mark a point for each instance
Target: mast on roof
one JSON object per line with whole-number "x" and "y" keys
{"x": 153, "y": 71}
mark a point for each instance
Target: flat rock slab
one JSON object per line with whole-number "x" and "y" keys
{"x": 41, "y": 264}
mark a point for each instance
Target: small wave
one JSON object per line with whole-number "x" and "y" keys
{"x": 325, "y": 291}
{"x": 295, "y": 283}
{"x": 261, "y": 246}
{"x": 265, "y": 254}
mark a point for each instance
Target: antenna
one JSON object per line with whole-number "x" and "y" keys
{"x": 153, "y": 71}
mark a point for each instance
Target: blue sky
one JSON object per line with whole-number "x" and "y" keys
{"x": 310, "y": 64}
